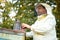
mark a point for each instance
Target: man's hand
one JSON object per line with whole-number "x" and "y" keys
{"x": 25, "y": 26}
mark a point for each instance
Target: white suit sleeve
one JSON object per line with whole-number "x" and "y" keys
{"x": 43, "y": 27}
{"x": 29, "y": 34}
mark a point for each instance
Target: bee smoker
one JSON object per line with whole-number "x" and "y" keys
{"x": 17, "y": 26}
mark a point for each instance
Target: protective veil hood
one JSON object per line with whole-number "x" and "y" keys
{"x": 48, "y": 8}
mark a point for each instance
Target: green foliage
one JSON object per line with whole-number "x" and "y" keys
{"x": 25, "y": 13}
{"x": 57, "y": 15}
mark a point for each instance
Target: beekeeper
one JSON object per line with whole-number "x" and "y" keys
{"x": 44, "y": 27}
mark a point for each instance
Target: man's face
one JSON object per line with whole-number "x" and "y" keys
{"x": 40, "y": 10}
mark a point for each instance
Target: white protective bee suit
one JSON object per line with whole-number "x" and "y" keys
{"x": 44, "y": 29}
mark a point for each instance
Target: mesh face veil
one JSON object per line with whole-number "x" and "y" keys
{"x": 47, "y": 7}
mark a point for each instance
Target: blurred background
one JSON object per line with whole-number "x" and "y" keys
{"x": 10, "y": 10}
